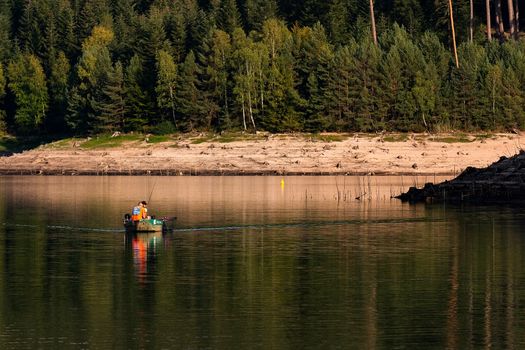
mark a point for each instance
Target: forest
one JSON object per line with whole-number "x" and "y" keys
{"x": 84, "y": 67}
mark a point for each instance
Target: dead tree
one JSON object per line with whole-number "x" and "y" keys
{"x": 489, "y": 26}
{"x": 512, "y": 19}
{"x": 373, "y": 21}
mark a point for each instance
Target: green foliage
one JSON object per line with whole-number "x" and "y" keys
{"x": 187, "y": 96}
{"x": 165, "y": 89}
{"x": 27, "y": 82}
{"x": 269, "y": 65}
{"x": 138, "y": 103}
{"x": 165, "y": 127}
{"x": 108, "y": 141}
{"x": 2, "y": 106}
{"x": 87, "y": 97}
{"x": 111, "y": 108}
{"x": 58, "y": 91}
{"x": 228, "y": 17}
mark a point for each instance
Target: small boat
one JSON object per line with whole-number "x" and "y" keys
{"x": 148, "y": 225}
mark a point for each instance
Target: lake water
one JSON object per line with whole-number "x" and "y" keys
{"x": 254, "y": 264}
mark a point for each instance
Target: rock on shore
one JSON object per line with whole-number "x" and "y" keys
{"x": 502, "y": 181}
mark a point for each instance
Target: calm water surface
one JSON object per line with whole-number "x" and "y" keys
{"x": 254, "y": 265}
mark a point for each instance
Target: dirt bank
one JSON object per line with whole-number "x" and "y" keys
{"x": 265, "y": 155}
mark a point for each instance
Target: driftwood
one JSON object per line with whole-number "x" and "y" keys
{"x": 502, "y": 181}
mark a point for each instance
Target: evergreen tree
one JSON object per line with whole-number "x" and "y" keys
{"x": 314, "y": 58}
{"x": 214, "y": 59}
{"x": 5, "y": 42}
{"x": 341, "y": 93}
{"x": 138, "y": 102}
{"x": 283, "y": 103}
{"x": 111, "y": 108}
{"x": 27, "y": 82}
{"x": 228, "y": 17}
{"x": 467, "y": 86}
{"x": 258, "y": 11}
{"x": 92, "y": 74}
{"x": 58, "y": 92}
{"x": 65, "y": 29}
{"x": 2, "y": 94}
{"x": 367, "y": 91}
{"x": 165, "y": 89}
{"x": 187, "y": 101}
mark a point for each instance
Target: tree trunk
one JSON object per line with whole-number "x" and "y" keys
{"x": 453, "y": 32}
{"x": 499, "y": 21}
{"x": 243, "y": 113}
{"x": 471, "y": 21}
{"x": 489, "y": 26}
{"x": 517, "y": 10}
{"x": 251, "y": 111}
{"x": 512, "y": 19}
{"x": 373, "y": 21}
{"x": 172, "y": 106}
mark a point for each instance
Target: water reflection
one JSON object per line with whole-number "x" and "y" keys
{"x": 271, "y": 270}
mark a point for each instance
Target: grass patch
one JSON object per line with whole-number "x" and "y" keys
{"x": 158, "y": 138}
{"x": 452, "y": 139}
{"x": 395, "y": 138}
{"x": 202, "y": 139}
{"x": 485, "y": 136}
{"x": 226, "y": 137}
{"x": 106, "y": 141}
{"x": 329, "y": 137}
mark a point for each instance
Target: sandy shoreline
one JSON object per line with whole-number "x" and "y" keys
{"x": 270, "y": 155}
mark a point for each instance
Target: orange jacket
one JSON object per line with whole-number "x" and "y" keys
{"x": 136, "y": 213}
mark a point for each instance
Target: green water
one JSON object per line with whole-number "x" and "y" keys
{"x": 254, "y": 265}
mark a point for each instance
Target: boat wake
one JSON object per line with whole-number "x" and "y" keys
{"x": 240, "y": 227}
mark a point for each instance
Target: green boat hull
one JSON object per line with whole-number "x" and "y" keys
{"x": 147, "y": 225}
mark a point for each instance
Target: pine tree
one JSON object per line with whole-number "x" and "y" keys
{"x": 166, "y": 88}
{"x": 58, "y": 92}
{"x": 187, "y": 101}
{"x": 6, "y": 48}
{"x": 111, "y": 108}
{"x": 368, "y": 91}
{"x": 27, "y": 82}
{"x": 314, "y": 56}
{"x": 92, "y": 74}
{"x": 228, "y": 17}
{"x": 283, "y": 102}
{"x": 258, "y": 11}
{"x": 65, "y": 28}
{"x": 138, "y": 102}
{"x": 2, "y": 94}
{"x": 214, "y": 59}
{"x": 341, "y": 94}
{"x": 93, "y": 13}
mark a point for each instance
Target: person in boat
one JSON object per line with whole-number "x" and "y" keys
{"x": 145, "y": 210}
{"x": 137, "y": 212}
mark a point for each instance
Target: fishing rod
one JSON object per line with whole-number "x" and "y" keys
{"x": 151, "y": 193}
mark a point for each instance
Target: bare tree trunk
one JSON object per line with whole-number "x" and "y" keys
{"x": 243, "y": 113}
{"x": 373, "y": 21}
{"x": 251, "y": 111}
{"x": 172, "y": 106}
{"x": 489, "y": 26}
{"x": 471, "y": 21}
{"x": 512, "y": 19}
{"x": 499, "y": 20}
{"x": 453, "y": 32}
{"x": 517, "y": 10}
